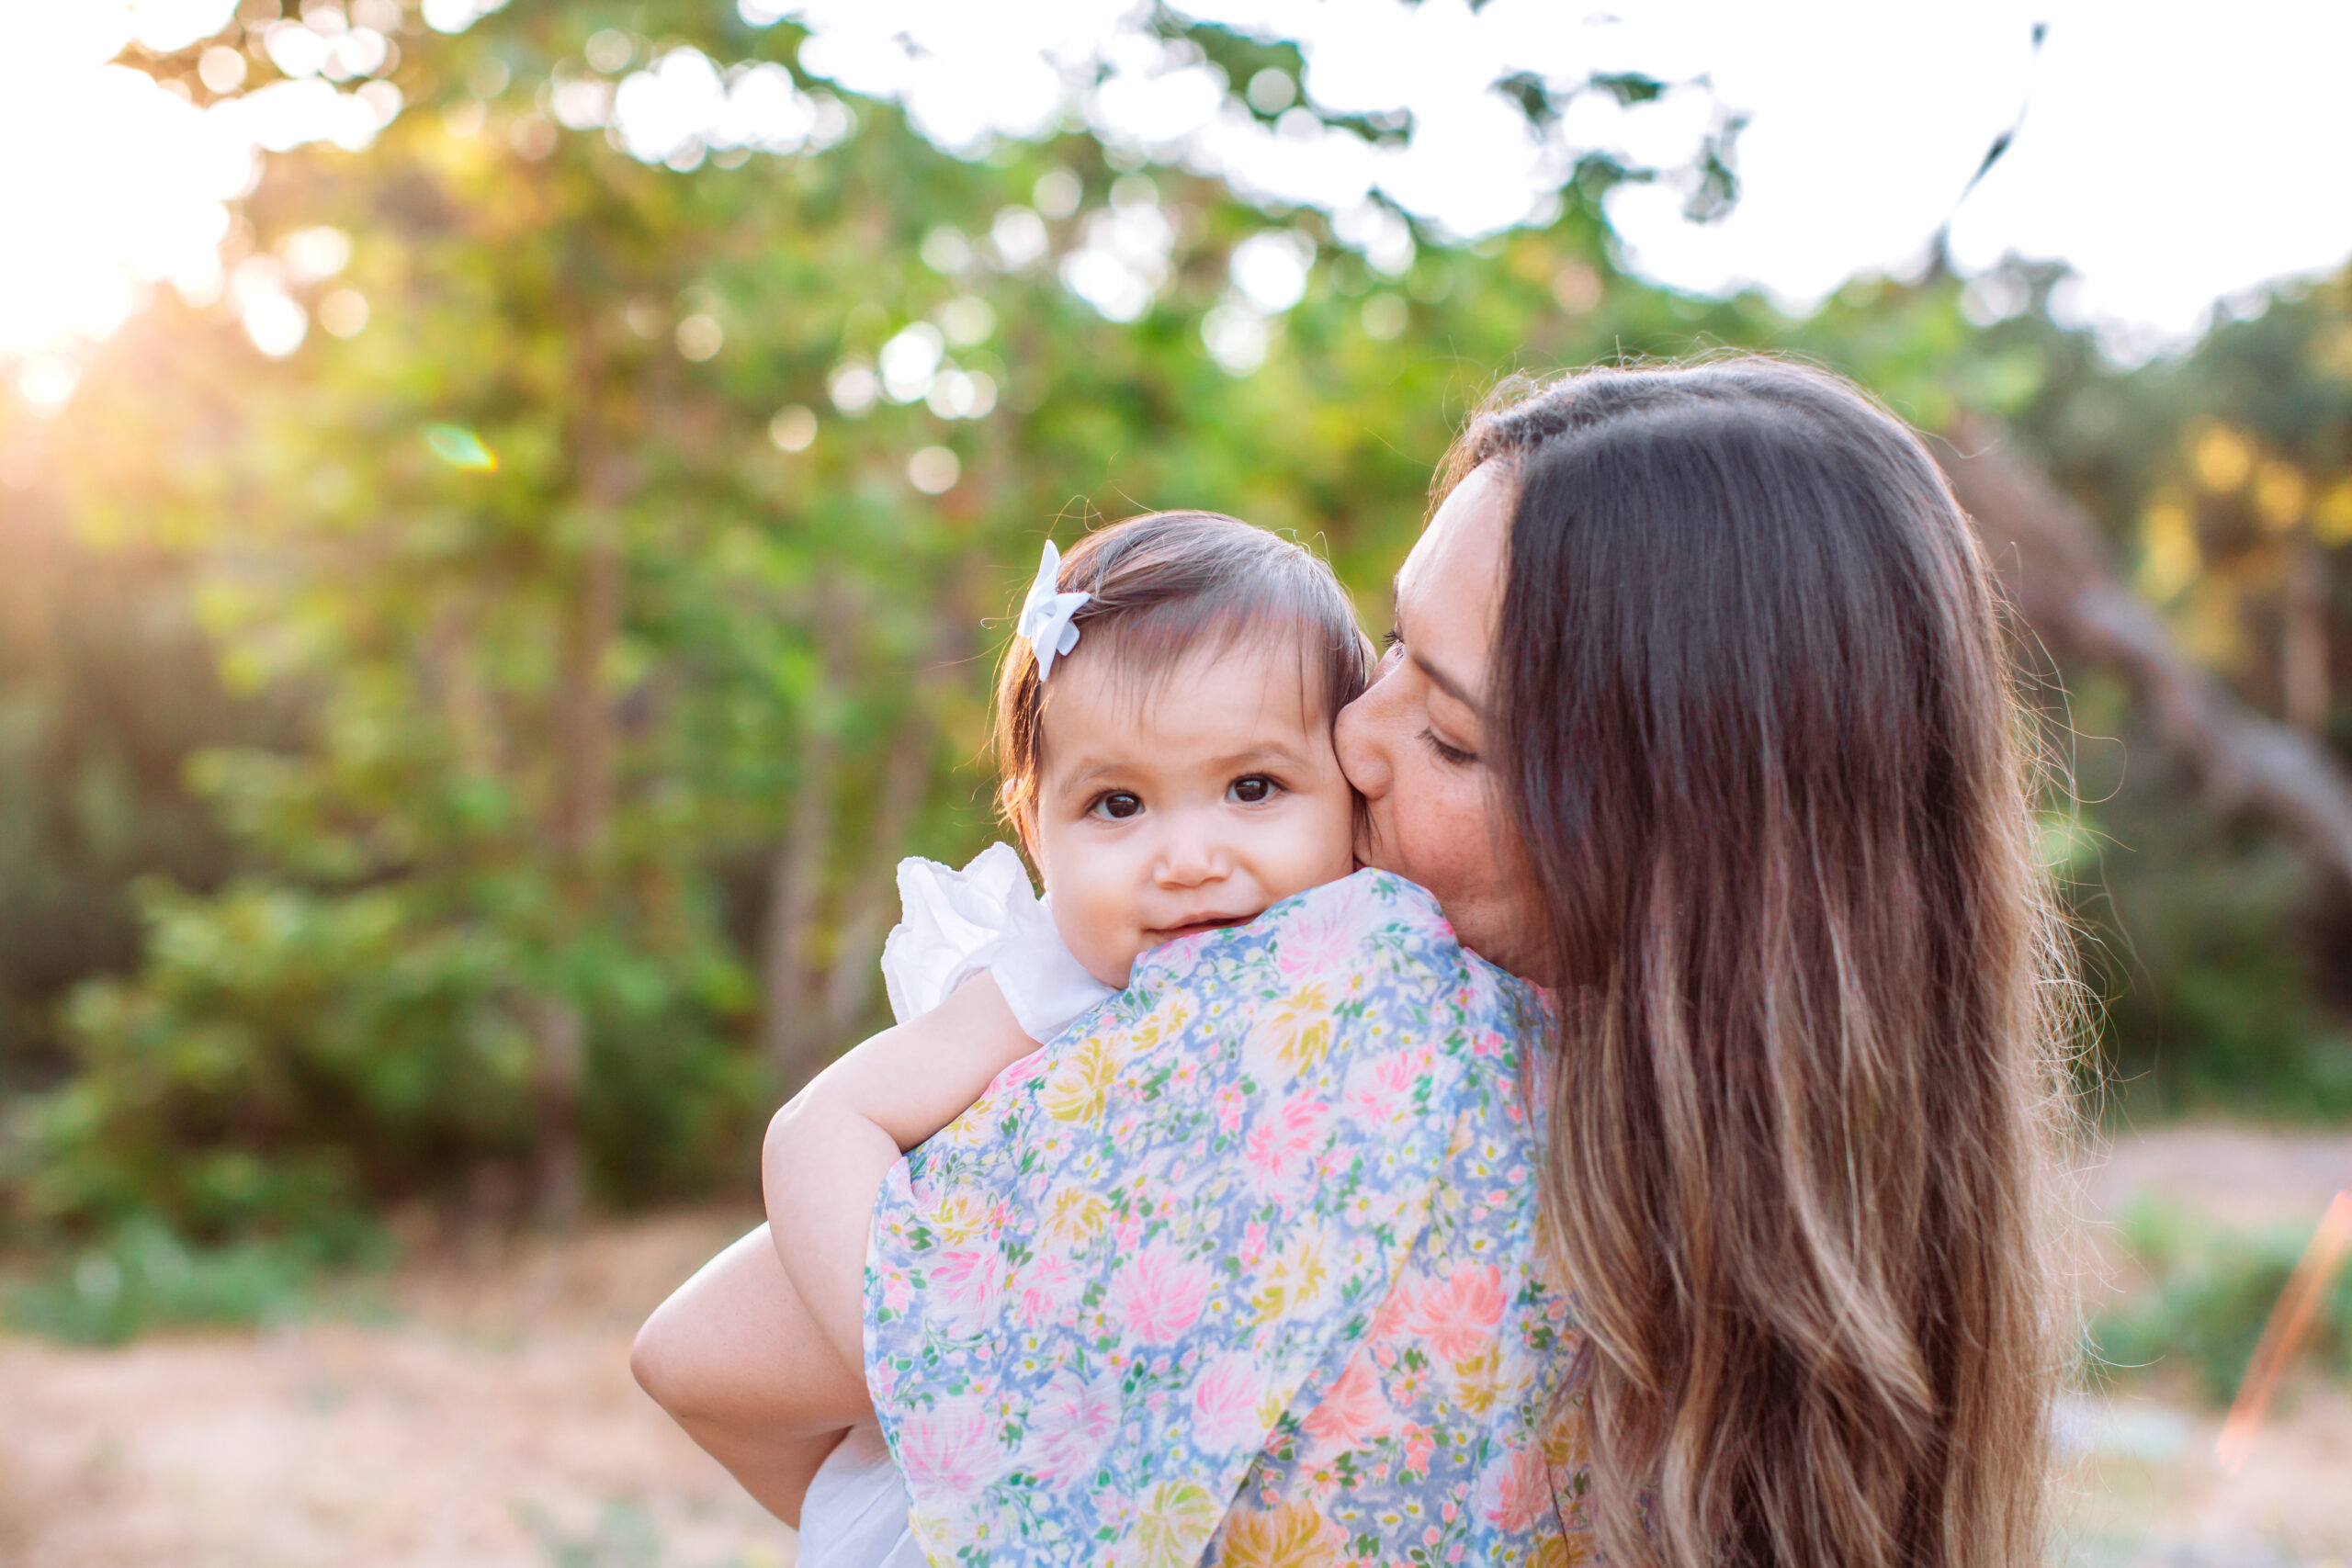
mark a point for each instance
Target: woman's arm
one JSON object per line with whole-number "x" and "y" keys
{"x": 735, "y": 1361}
{"x": 827, "y": 1151}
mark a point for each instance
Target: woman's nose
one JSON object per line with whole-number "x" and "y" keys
{"x": 1359, "y": 738}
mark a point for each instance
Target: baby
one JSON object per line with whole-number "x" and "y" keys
{"x": 1163, "y": 733}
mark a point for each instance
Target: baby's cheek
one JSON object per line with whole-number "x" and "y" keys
{"x": 1099, "y": 935}
{"x": 1330, "y": 848}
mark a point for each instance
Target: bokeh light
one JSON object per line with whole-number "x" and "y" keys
{"x": 128, "y": 184}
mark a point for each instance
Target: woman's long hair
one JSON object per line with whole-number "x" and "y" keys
{"x": 1753, "y": 718}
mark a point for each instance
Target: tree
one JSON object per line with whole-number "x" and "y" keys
{"x": 628, "y": 577}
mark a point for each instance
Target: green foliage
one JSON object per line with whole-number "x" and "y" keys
{"x": 624, "y": 1537}
{"x": 142, "y": 1278}
{"x": 106, "y": 689}
{"x": 596, "y": 716}
{"x": 2212, "y": 1291}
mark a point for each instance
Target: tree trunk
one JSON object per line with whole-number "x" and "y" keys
{"x": 812, "y": 1015}
{"x": 2303, "y": 653}
{"x": 581, "y": 814}
{"x": 791, "y": 1007}
{"x": 795, "y": 876}
{"x": 2057, "y": 569}
{"x": 873, "y": 900}
{"x": 559, "y": 1038}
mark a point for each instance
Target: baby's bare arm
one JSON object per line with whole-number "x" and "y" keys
{"x": 829, "y": 1149}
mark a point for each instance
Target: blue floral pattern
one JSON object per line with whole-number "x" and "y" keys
{"x": 1242, "y": 1267}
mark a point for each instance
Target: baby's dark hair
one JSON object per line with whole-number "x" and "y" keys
{"x": 1159, "y": 584}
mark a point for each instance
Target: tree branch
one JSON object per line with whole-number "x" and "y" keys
{"x": 2063, "y": 578}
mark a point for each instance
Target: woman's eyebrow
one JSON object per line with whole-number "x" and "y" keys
{"x": 1443, "y": 681}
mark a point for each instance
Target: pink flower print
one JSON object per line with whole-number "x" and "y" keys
{"x": 947, "y": 1454}
{"x": 896, "y": 1291}
{"x": 1159, "y": 1294}
{"x": 1225, "y": 1404}
{"x": 1378, "y": 1091}
{"x": 1456, "y": 1316}
{"x": 1389, "y": 1321}
{"x": 1071, "y": 1425}
{"x": 1354, "y": 1411}
{"x": 1229, "y": 1102}
{"x": 1253, "y": 1243}
{"x": 966, "y": 1282}
{"x": 1418, "y": 1448}
{"x": 1523, "y": 1491}
{"x": 1040, "y": 1286}
{"x": 1281, "y": 1146}
{"x": 1028, "y": 1067}
{"x": 1319, "y": 938}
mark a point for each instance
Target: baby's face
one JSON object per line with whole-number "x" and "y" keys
{"x": 1171, "y": 807}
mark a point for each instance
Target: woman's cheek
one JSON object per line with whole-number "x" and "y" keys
{"x": 1454, "y": 837}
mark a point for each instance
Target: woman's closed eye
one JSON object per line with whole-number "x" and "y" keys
{"x": 1115, "y": 805}
{"x": 1452, "y": 756}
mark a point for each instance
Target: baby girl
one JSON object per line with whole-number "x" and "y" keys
{"x": 1163, "y": 732}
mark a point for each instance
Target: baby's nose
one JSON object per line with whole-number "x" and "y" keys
{"x": 1189, "y": 857}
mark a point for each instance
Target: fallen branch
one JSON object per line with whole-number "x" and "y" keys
{"x": 2063, "y": 580}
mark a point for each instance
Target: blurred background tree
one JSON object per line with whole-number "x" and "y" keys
{"x": 460, "y": 753}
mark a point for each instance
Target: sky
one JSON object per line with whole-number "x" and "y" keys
{"x": 2172, "y": 155}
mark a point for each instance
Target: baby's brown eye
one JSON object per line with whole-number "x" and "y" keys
{"x": 1118, "y": 805}
{"x": 1254, "y": 790}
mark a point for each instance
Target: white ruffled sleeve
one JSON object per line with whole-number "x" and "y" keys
{"x": 956, "y": 923}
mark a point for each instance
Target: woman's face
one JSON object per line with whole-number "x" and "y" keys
{"x": 1414, "y": 745}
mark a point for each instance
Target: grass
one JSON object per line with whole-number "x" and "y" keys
{"x": 143, "y": 1278}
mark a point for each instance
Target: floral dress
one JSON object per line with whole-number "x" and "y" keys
{"x": 1240, "y": 1269}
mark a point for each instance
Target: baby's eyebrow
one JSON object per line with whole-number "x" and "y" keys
{"x": 1269, "y": 751}
{"x": 1084, "y": 771}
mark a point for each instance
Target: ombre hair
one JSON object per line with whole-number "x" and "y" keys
{"x": 1164, "y": 587}
{"x": 1754, "y": 721}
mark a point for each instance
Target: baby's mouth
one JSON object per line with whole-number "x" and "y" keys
{"x": 1195, "y": 925}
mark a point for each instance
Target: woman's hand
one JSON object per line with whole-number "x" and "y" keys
{"x": 736, "y": 1362}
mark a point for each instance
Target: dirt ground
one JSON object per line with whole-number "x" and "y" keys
{"x": 481, "y": 1414}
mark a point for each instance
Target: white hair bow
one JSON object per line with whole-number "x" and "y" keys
{"x": 1045, "y": 614}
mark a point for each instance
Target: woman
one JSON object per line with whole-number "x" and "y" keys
{"x": 1697, "y": 715}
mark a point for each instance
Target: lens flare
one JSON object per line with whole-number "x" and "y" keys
{"x": 460, "y": 448}
{"x": 2290, "y": 1327}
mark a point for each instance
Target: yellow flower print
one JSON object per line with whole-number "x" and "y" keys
{"x": 1292, "y": 1279}
{"x": 1479, "y": 1382}
{"x": 1292, "y": 1536}
{"x": 1296, "y": 1031}
{"x": 1165, "y": 1021}
{"x": 1172, "y": 1526}
{"x": 1564, "y": 1445}
{"x": 956, "y": 1219}
{"x": 1074, "y": 1216}
{"x": 1075, "y": 1091}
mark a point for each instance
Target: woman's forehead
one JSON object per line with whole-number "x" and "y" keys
{"x": 1450, "y": 591}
